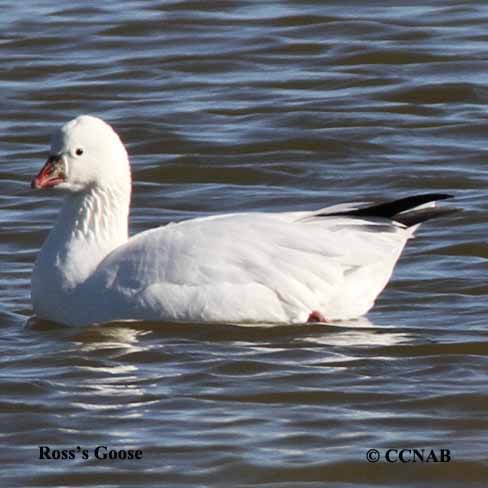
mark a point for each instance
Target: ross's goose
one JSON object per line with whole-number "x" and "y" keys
{"x": 266, "y": 267}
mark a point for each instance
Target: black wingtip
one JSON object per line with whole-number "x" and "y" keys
{"x": 433, "y": 197}
{"x": 414, "y": 217}
{"x": 391, "y": 210}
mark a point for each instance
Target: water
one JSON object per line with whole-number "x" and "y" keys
{"x": 244, "y": 105}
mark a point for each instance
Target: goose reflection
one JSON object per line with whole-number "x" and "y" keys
{"x": 359, "y": 332}
{"x": 111, "y": 374}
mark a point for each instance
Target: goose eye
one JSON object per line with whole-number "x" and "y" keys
{"x": 79, "y": 151}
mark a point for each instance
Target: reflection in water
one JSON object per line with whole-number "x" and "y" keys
{"x": 109, "y": 385}
{"x": 124, "y": 339}
{"x": 361, "y": 332}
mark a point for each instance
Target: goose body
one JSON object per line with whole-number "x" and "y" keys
{"x": 234, "y": 268}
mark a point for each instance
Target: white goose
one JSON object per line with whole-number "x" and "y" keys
{"x": 291, "y": 267}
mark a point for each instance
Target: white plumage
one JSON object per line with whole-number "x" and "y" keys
{"x": 235, "y": 268}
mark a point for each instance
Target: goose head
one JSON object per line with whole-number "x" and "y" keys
{"x": 85, "y": 153}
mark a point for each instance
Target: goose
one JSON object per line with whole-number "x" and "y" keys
{"x": 239, "y": 268}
